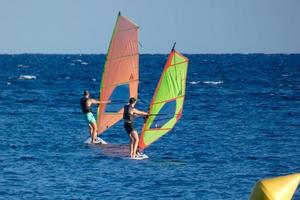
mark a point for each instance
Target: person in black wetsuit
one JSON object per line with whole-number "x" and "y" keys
{"x": 86, "y": 107}
{"x": 128, "y": 115}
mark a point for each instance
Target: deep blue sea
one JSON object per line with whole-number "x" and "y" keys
{"x": 241, "y": 123}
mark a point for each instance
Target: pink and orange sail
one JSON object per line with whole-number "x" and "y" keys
{"x": 120, "y": 73}
{"x": 167, "y": 103}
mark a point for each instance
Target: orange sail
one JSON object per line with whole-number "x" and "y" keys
{"x": 120, "y": 73}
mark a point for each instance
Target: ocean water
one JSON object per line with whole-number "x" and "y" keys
{"x": 241, "y": 123}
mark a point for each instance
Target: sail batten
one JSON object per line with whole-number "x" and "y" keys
{"x": 167, "y": 103}
{"x": 126, "y": 29}
{"x": 120, "y": 74}
{"x": 182, "y": 96}
{"x": 120, "y": 57}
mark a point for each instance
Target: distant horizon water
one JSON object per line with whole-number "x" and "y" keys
{"x": 252, "y": 53}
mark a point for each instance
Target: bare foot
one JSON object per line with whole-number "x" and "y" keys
{"x": 93, "y": 140}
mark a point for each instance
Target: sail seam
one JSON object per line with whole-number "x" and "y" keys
{"x": 119, "y": 57}
{"x": 128, "y": 29}
{"x": 177, "y": 64}
{"x": 158, "y": 129}
{"x": 112, "y": 113}
{"x": 168, "y": 100}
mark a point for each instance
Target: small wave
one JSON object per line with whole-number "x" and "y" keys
{"x": 213, "y": 82}
{"x": 27, "y": 157}
{"x": 284, "y": 74}
{"x": 8, "y": 83}
{"x": 79, "y": 61}
{"x": 194, "y": 82}
{"x": 27, "y": 77}
{"x": 23, "y": 66}
{"x": 94, "y": 79}
{"x": 67, "y": 77}
{"x": 24, "y": 101}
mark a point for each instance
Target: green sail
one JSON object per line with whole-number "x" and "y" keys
{"x": 167, "y": 103}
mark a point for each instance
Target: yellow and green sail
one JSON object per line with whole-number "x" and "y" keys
{"x": 167, "y": 103}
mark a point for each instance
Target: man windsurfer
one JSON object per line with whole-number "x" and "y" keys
{"x": 86, "y": 106}
{"x": 130, "y": 112}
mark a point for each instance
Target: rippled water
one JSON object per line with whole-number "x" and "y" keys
{"x": 241, "y": 123}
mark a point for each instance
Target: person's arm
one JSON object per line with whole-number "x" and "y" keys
{"x": 138, "y": 112}
{"x": 94, "y": 101}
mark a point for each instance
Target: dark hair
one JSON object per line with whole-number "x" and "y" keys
{"x": 132, "y": 100}
{"x": 85, "y": 92}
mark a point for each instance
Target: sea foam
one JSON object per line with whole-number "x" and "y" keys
{"x": 27, "y": 77}
{"x": 213, "y": 82}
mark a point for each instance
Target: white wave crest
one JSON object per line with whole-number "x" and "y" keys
{"x": 27, "y": 77}
{"x": 23, "y": 66}
{"x": 194, "y": 82}
{"x": 213, "y": 82}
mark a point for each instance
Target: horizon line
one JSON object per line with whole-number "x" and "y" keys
{"x": 203, "y": 53}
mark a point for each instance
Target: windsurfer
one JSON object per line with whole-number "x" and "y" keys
{"x": 129, "y": 113}
{"x": 86, "y": 106}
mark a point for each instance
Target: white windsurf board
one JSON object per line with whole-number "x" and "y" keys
{"x": 140, "y": 157}
{"x": 98, "y": 141}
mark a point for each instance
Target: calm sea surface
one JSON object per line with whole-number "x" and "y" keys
{"x": 241, "y": 123}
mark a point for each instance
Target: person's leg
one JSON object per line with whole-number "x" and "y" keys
{"x": 94, "y": 131}
{"x": 136, "y": 141}
{"x": 131, "y": 145}
{"x": 90, "y": 130}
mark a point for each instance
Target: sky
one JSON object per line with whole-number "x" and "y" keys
{"x": 198, "y": 26}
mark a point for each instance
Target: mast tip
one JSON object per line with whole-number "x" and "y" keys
{"x": 173, "y": 48}
{"x": 119, "y": 13}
